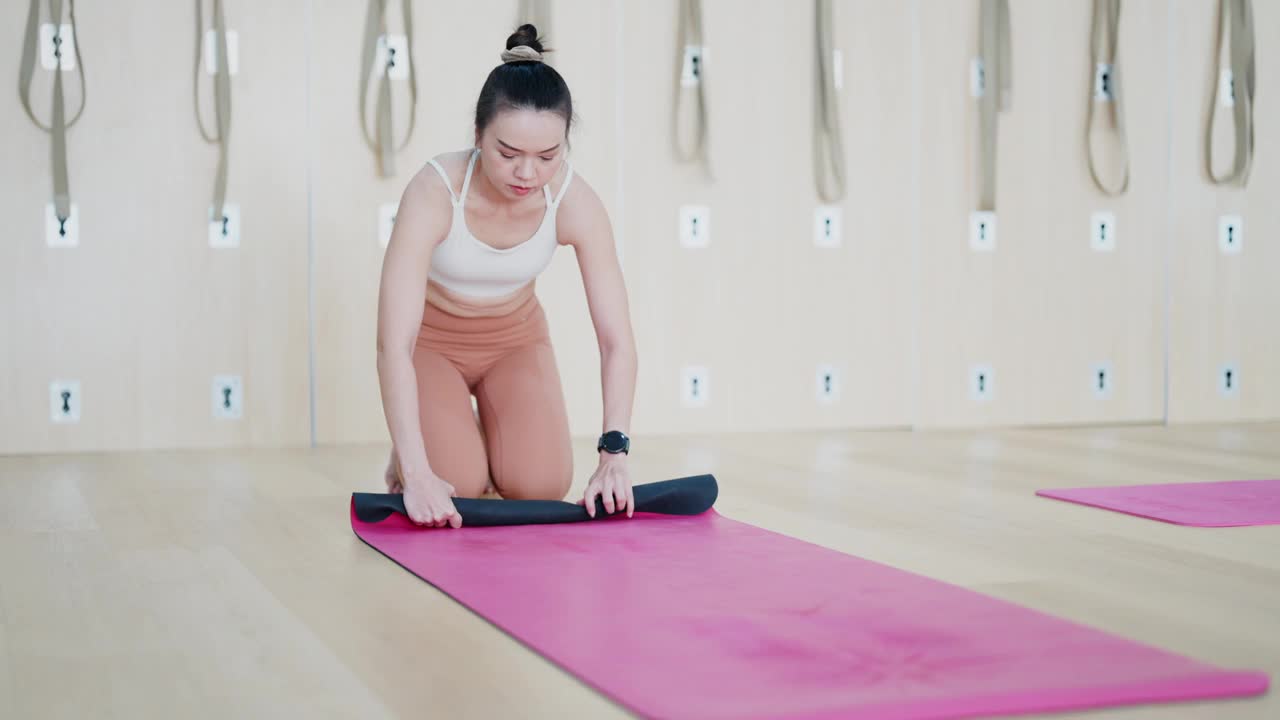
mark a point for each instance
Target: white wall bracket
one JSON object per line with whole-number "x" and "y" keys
{"x": 695, "y": 386}
{"x": 211, "y": 52}
{"x": 64, "y": 401}
{"x": 224, "y": 232}
{"x": 695, "y": 226}
{"x": 227, "y": 397}
{"x": 982, "y": 231}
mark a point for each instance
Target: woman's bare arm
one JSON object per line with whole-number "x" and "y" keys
{"x": 422, "y": 220}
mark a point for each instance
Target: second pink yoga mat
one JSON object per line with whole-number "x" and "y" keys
{"x": 1231, "y": 503}
{"x": 705, "y": 617}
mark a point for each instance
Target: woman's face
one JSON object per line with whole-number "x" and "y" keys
{"x": 521, "y": 150}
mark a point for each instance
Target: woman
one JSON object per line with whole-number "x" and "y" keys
{"x": 458, "y": 316}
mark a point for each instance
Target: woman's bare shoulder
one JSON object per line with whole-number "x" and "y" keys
{"x": 454, "y": 164}
{"x": 427, "y": 185}
{"x": 582, "y": 214}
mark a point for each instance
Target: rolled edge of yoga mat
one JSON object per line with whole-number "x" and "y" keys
{"x": 692, "y": 495}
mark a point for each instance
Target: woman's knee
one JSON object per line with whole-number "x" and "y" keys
{"x": 468, "y": 474}
{"x": 536, "y": 481}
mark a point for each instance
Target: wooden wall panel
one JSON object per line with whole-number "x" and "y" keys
{"x": 1043, "y": 309}
{"x": 1222, "y": 307}
{"x": 144, "y": 313}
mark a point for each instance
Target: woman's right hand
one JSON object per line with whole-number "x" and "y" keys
{"x": 429, "y": 501}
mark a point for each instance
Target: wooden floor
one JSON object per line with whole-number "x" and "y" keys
{"x": 229, "y": 584}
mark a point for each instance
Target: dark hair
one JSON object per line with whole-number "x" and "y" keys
{"x": 523, "y": 84}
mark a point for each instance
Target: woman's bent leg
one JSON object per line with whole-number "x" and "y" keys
{"x": 455, "y": 449}
{"x": 526, "y": 426}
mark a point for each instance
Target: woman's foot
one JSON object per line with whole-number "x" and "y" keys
{"x": 392, "y": 476}
{"x": 395, "y": 484}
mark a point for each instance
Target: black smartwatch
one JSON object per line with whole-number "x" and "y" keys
{"x": 614, "y": 442}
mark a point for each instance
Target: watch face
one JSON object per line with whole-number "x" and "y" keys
{"x": 614, "y": 441}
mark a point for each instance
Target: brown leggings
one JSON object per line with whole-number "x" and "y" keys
{"x": 522, "y": 441}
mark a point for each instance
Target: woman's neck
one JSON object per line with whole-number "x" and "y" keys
{"x": 491, "y": 194}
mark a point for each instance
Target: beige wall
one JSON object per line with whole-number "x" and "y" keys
{"x": 143, "y": 313}
{"x": 762, "y": 307}
{"x": 1223, "y": 307}
{"x": 1044, "y": 308}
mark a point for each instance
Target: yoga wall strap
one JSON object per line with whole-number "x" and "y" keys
{"x": 1105, "y": 90}
{"x": 382, "y": 143}
{"x": 689, "y": 33}
{"x": 1235, "y": 30}
{"x": 828, "y": 145}
{"x": 997, "y": 79}
{"x": 221, "y": 98}
{"x": 58, "y": 123}
{"x": 538, "y": 14}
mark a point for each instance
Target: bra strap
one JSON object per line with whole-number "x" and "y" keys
{"x": 567, "y": 179}
{"x": 466, "y": 182}
{"x": 448, "y": 184}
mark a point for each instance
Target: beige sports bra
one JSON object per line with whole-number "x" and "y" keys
{"x": 467, "y": 266}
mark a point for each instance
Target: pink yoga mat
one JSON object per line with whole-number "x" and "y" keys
{"x": 1231, "y": 503}
{"x": 707, "y": 617}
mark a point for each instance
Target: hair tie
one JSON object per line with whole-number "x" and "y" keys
{"x": 521, "y": 53}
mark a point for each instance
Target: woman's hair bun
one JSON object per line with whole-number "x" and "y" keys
{"x": 523, "y": 81}
{"x": 525, "y": 35}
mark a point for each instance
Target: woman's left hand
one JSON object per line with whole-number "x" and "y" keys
{"x": 612, "y": 483}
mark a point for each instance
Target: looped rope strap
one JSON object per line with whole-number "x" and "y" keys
{"x": 221, "y": 99}
{"x": 994, "y": 52}
{"x": 828, "y": 146}
{"x": 689, "y": 33}
{"x": 383, "y": 145}
{"x": 1236, "y": 18}
{"x": 1105, "y": 89}
{"x": 58, "y": 124}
